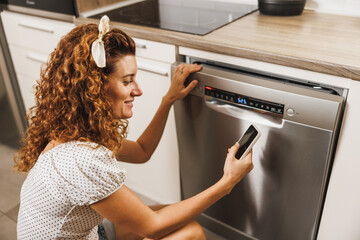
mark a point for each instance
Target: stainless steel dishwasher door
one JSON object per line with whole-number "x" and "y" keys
{"x": 282, "y": 197}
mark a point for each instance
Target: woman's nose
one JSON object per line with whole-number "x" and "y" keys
{"x": 136, "y": 91}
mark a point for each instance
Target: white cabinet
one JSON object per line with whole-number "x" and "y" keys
{"x": 31, "y": 40}
{"x": 341, "y": 213}
{"x": 154, "y": 50}
{"x": 27, "y": 89}
{"x": 158, "y": 179}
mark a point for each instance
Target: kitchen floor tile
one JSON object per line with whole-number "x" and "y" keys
{"x": 13, "y": 213}
{"x": 7, "y": 228}
{"x": 10, "y": 181}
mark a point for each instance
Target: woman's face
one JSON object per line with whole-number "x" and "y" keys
{"x": 123, "y": 87}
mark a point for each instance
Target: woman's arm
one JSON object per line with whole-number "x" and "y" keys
{"x": 141, "y": 150}
{"x": 125, "y": 208}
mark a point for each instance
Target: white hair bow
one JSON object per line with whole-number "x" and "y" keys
{"x": 98, "y": 48}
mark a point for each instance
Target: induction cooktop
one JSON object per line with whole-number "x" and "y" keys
{"x": 198, "y": 17}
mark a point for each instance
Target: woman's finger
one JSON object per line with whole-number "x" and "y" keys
{"x": 234, "y": 148}
{"x": 188, "y": 68}
{"x": 179, "y": 68}
{"x": 192, "y": 68}
{"x": 191, "y": 86}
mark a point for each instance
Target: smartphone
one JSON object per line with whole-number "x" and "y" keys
{"x": 247, "y": 141}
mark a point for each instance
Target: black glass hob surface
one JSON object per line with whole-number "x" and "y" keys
{"x": 197, "y": 16}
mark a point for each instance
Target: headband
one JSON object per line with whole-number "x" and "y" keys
{"x": 97, "y": 47}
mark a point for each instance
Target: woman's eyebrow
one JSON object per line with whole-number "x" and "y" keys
{"x": 128, "y": 75}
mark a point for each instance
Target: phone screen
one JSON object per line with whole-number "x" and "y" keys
{"x": 246, "y": 140}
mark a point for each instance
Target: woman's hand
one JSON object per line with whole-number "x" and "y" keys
{"x": 234, "y": 169}
{"x": 177, "y": 89}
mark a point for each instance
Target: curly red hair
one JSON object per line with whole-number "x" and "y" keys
{"x": 71, "y": 97}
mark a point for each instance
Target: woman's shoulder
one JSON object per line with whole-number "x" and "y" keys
{"x": 79, "y": 169}
{"x": 78, "y": 147}
{"x": 79, "y": 154}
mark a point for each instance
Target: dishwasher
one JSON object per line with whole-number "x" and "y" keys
{"x": 282, "y": 198}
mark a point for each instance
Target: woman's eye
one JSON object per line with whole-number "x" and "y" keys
{"x": 126, "y": 83}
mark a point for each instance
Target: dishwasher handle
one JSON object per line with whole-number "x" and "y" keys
{"x": 245, "y": 114}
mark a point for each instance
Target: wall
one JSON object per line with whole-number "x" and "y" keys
{"x": 344, "y": 7}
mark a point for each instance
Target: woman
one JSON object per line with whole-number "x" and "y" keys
{"x": 77, "y": 134}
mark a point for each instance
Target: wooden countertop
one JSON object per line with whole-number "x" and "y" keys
{"x": 318, "y": 42}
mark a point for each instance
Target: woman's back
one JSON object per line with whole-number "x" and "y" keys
{"x": 58, "y": 191}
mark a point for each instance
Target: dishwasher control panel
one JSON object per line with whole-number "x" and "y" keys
{"x": 242, "y": 100}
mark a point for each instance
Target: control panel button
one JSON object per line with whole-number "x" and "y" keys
{"x": 290, "y": 111}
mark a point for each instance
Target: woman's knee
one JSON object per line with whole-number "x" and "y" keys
{"x": 196, "y": 232}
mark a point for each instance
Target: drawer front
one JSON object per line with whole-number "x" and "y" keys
{"x": 27, "y": 89}
{"x": 27, "y": 62}
{"x": 33, "y": 32}
{"x": 155, "y": 50}
{"x": 160, "y": 69}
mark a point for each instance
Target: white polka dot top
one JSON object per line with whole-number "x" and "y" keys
{"x": 56, "y": 195}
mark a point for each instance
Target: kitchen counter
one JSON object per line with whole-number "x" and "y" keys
{"x": 313, "y": 41}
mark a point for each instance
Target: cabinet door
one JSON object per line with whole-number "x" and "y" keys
{"x": 35, "y": 33}
{"x": 31, "y": 39}
{"x": 27, "y": 89}
{"x": 157, "y": 179}
{"x": 155, "y": 51}
{"x": 28, "y": 62}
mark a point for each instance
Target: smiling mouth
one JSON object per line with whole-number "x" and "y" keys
{"x": 129, "y": 103}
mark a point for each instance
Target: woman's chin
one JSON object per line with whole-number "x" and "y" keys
{"x": 127, "y": 115}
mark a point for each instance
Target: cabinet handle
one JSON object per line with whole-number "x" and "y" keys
{"x": 140, "y": 44}
{"x": 36, "y": 26}
{"x": 36, "y": 58}
{"x": 153, "y": 69}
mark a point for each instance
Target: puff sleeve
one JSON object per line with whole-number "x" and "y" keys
{"x": 84, "y": 173}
